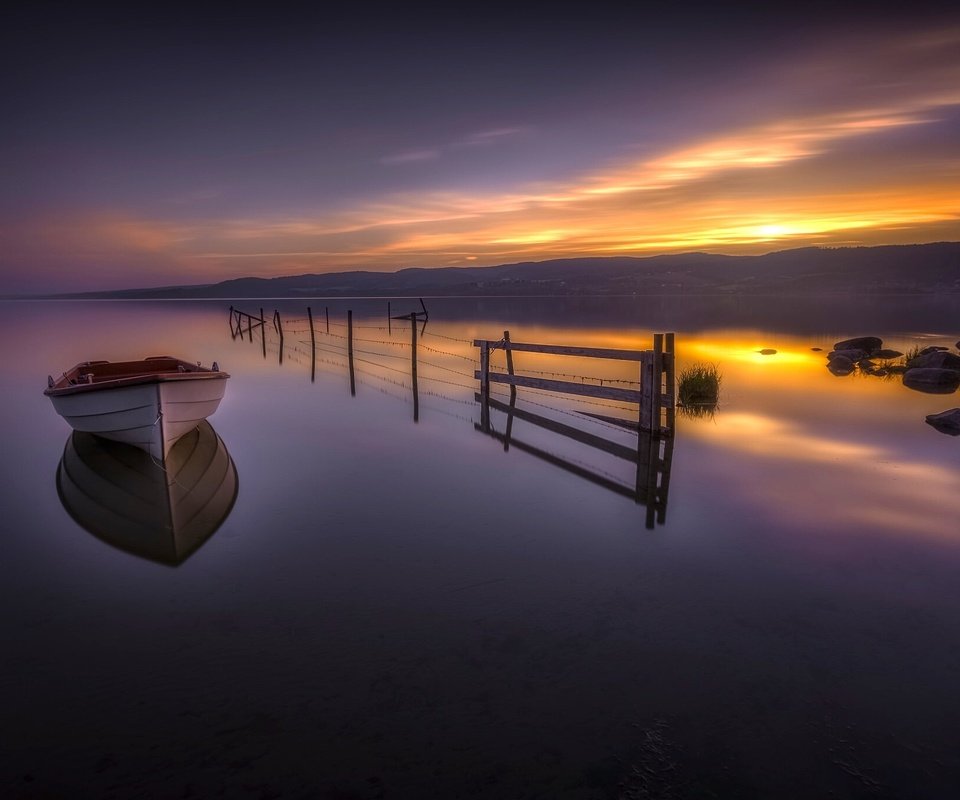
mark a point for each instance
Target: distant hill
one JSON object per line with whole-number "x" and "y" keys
{"x": 921, "y": 268}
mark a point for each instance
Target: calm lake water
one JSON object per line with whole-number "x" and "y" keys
{"x": 392, "y": 609}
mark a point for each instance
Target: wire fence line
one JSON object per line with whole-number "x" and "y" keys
{"x": 318, "y": 330}
{"x": 437, "y": 381}
{"x": 321, "y": 341}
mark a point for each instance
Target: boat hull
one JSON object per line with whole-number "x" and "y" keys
{"x": 150, "y": 415}
{"x": 162, "y": 513}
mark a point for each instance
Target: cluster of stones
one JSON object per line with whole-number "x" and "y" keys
{"x": 863, "y": 353}
{"x": 934, "y": 370}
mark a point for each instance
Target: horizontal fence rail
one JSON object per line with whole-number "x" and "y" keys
{"x": 566, "y": 387}
{"x": 562, "y": 350}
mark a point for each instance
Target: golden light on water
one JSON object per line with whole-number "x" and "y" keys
{"x": 747, "y": 351}
{"x": 846, "y": 479}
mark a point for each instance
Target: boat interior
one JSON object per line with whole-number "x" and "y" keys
{"x": 99, "y": 372}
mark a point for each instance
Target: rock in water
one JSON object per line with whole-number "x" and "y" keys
{"x": 841, "y": 365}
{"x": 932, "y": 380}
{"x": 853, "y": 355}
{"x": 946, "y": 421}
{"x": 936, "y": 358}
{"x": 820, "y": 349}
{"x": 767, "y": 351}
{"x": 887, "y": 354}
{"x": 866, "y": 343}
{"x": 933, "y": 348}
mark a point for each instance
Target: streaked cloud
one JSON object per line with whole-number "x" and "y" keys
{"x": 861, "y": 147}
{"x": 412, "y": 156}
{"x": 490, "y": 137}
{"x": 484, "y": 138}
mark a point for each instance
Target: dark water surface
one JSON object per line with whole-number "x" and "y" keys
{"x": 393, "y": 609}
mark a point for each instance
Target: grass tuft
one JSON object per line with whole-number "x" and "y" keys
{"x": 912, "y": 353}
{"x": 698, "y": 389}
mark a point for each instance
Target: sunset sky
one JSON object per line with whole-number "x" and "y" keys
{"x": 141, "y": 150}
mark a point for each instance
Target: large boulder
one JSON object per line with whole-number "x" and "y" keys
{"x": 933, "y": 348}
{"x": 932, "y": 380}
{"x": 946, "y": 421}
{"x": 866, "y": 343}
{"x": 937, "y": 359}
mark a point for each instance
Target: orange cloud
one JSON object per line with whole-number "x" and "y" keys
{"x": 784, "y": 181}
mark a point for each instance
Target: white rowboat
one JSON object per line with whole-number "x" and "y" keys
{"x": 149, "y": 404}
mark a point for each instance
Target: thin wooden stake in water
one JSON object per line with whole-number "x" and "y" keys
{"x": 484, "y": 375}
{"x": 512, "y": 409}
{"x": 353, "y": 383}
{"x": 509, "y": 352}
{"x": 278, "y": 324}
{"x": 669, "y": 365}
{"x": 646, "y": 383}
{"x": 656, "y": 416}
{"x": 413, "y": 367}
{"x": 263, "y": 333}
{"x": 327, "y": 311}
{"x": 389, "y": 327}
{"x": 313, "y": 347}
{"x": 485, "y": 369}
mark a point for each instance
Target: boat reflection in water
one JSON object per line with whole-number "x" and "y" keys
{"x": 160, "y": 511}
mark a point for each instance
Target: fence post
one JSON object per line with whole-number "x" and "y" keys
{"x": 656, "y": 415}
{"x": 263, "y": 333}
{"x": 508, "y": 350}
{"x": 278, "y": 324}
{"x": 509, "y": 431}
{"x": 665, "y": 466}
{"x": 646, "y": 381}
{"x": 353, "y": 383}
{"x": 669, "y": 365}
{"x": 485, "y": 369}
{"x": 413, "y": 367}
{"x": 313, "y": 347}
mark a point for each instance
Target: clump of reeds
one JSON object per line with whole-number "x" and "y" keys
{"x": 698, "y": 389}
{"x": 912, "y": 353}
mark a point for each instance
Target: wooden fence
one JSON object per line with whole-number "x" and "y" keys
{"x": 654, "y": 397}
{"x": 656, "y": 378}
{"x": 237, "y": 320}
